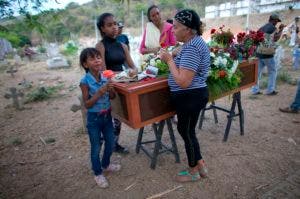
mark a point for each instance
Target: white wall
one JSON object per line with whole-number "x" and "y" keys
{"x": 241, "y": 7}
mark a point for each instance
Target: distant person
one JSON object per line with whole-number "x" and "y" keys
{"x": 294, "y": 32}
{"x": 267, "y": 59}
{"x": 296, "y": 55}
{"x": 157, "y": 34}
{"x": 116, "y": 55}
{"x": 28, "y": 52}
{"x": 96, "y": 94}
{"x": 285, "y": 30}
{"x": 122, "y": 37}
{"x": 296, "y": 42}
{"x": 295, "y": 106}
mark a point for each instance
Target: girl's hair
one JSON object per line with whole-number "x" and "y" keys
{"x": 85, "y": 54}
{"x": 148, "y": 11}
{"x": 101, "y": 21}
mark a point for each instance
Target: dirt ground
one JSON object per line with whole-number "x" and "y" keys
{"x": 246, "y": 166}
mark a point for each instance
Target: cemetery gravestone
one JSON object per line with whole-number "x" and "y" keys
{"x": 55, "y": 60}
{"x": 5, "y": 48}
{"x": 15, "y": 94}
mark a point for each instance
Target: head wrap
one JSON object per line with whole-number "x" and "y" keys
{"x": 189, "y": 18}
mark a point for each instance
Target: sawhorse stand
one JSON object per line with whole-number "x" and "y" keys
{"x": 231, "y": 114}
{"x": 159, "y": 147}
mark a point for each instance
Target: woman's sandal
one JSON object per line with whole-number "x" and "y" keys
{"x": 186, "y": 176}
{"x": 203, "y": 171}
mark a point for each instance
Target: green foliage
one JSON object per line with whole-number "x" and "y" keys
{"x": 72, "y": 5}
{"x": 42, "y": 93}
{"x": 15, "y": 141}
{"x": 217, "y": 86}
{"x": 70, "y": 49}
{"x": 41, "y": 49}
{"x": 33, "y": 23}
{"x": 178, "y": 4}
{"x": 139, "y": 7}
{"x": 11, "y": 37}
{"x": 50, "y": 140}
{"x": 285, "y": 77}
{"x": 163, "y": 68}
{"x": 15, "y": 39}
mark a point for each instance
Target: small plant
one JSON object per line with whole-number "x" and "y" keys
{"x": 253, "y": 97}
{"x": 41, "y": 49}
{"x": 16, "y": 141}
{"x": 43, "y": 93}
{"x": 50, "y": 140}
{"x": 70, "y": 49}
{"x": 263, "y": 82}
{"x": 284, "y": 77}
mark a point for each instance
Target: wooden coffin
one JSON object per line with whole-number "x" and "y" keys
{"x": 141, "y": 103}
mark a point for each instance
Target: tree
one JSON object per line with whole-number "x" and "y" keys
{"x": 123, "y": 2}
{"x": 9, "y": 8}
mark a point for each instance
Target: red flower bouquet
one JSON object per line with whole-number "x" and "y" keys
{"x": 246, "y": 44}
{"x": 221, "y": 38}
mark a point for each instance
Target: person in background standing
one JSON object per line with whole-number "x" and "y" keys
{"x": 268, "y": 59}
{"x": 295, "y": 106}
{"x": 157, "y": 34}
{"x": 116, "y": 55}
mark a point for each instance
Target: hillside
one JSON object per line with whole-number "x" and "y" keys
{"x": 76, "y": 21}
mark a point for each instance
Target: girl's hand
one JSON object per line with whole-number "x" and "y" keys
{"x": 109, "y": 86}
{"x": 165, "y": 56}
{"x": 103, "y": 90}
{"x": 112, "y": 92}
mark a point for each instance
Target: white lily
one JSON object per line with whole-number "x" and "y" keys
{"x": 152, "y": 62}
{"x": 233, "y": 68}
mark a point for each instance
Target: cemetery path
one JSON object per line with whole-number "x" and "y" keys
{"x": 44, "y": 154}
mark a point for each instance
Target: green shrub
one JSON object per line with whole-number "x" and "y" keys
{"x": 285, "y": 77}
{"x": 41, "y": 49}
{"x": 16, "y": 141}
{"x": 50, "y": 140}
{"x": 42, "y": 93}
{"x": 70, "y": 49}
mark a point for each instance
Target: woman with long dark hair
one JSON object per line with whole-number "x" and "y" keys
{"x": 115, "y": 55}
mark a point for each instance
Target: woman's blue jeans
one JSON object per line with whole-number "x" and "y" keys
{"x": 296, "y": 103}
{"x": 100, "y": 128}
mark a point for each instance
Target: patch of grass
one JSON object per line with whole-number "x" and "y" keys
{"x": 285, "y": 77}
{"x": 263, "y": 83}
{"x": 50, "y": 140}
{"x": 4, "y": 67}
{"x": 16, "y": 141}
{"x": 253, "y": 97}
{"x": 43, "y": 93}
{"x": 72, "y": 87}
{"x": 80, "y": 131}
